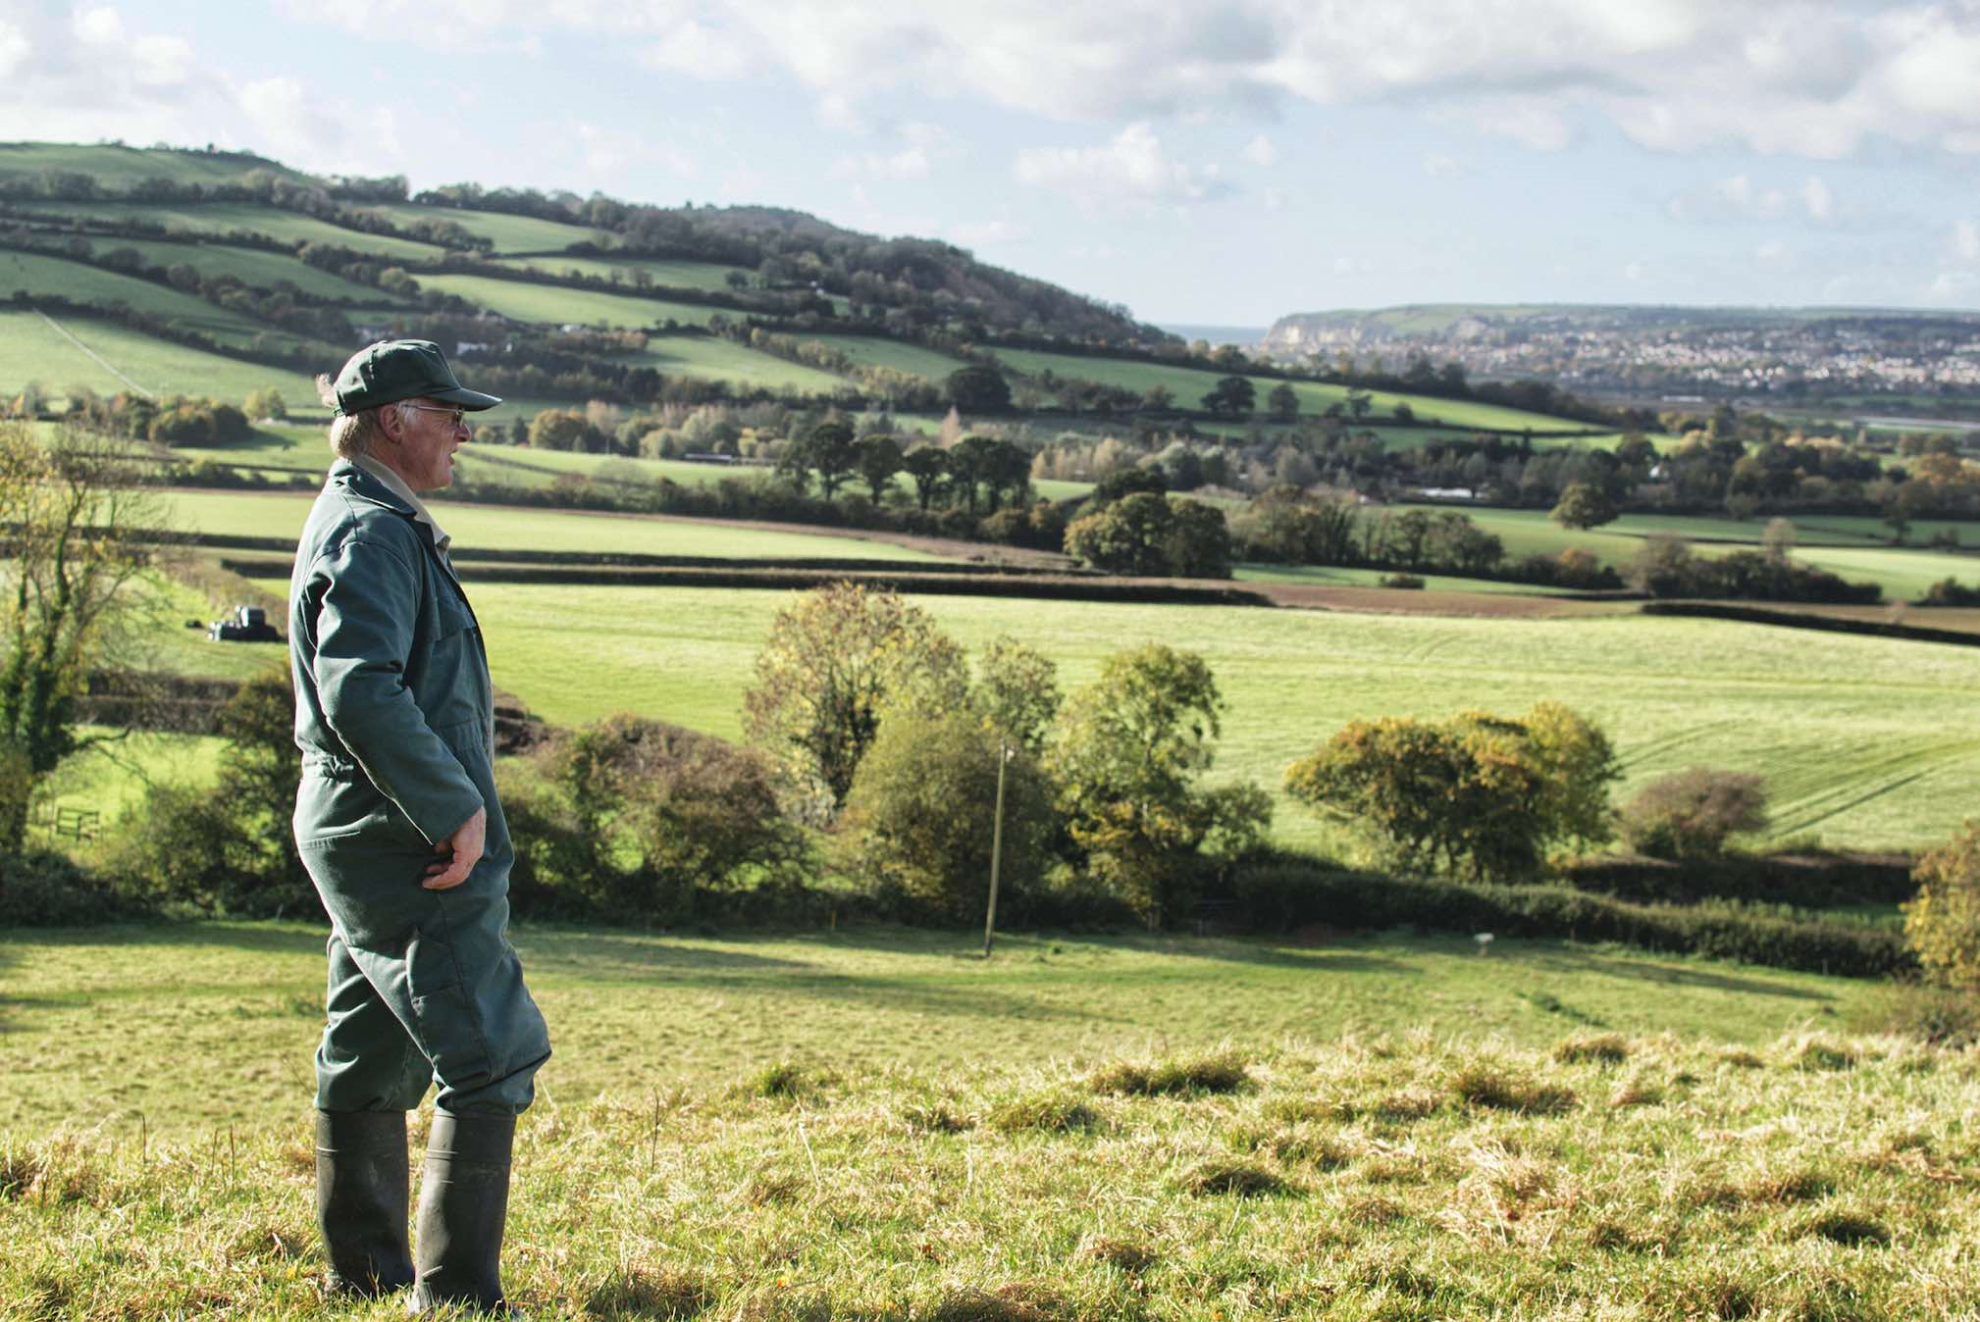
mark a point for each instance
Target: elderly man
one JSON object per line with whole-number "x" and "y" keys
{"x": 398, "y": 824}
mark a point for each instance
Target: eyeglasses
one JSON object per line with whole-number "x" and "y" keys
{"x": 455, "y": 416}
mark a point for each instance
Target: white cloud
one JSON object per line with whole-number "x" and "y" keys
{"x": 1816, "y": 197}
{"x": 908, "y": 163}
{"x": 1275, "y": 199}
{"x": 14, "y": 48}
{"x": 102, "y": 26}
{"x": 1134, "y": 164}
{"x": 1966, "y": 241}
{"x": 1436, "y": 163}
{"x": 977, "y": 233}
{"x": 1260, "y": 152}
{"x": 284, "y": 118}
{"x": 703, "y": 52}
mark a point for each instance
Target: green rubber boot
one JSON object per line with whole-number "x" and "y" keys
{"x": 463, "y": 1206}
{"x": 361, "y": 1180}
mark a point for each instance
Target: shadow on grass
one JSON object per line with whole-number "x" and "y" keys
{"x": 1574, "y": 961}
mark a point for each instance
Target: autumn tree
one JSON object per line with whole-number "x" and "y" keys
{"x": 838, "y": 660}
{"x": 1942, "y": 921}
{"x": 1584, "y": 505}
{"x": 1130, "y": 753}
{"x": 81, "y": 529}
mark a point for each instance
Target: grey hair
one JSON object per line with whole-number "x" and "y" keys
{"x": 351, "y": 434}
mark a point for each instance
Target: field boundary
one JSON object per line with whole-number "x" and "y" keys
{"x": 974, "y": 581}
{"x": 1712, "y": 610}
{"x": 94, "y": 356}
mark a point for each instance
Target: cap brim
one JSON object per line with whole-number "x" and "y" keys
{"x": 471, "y": 400}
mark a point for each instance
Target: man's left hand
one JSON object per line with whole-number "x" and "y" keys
{"x": 467, "y": 842}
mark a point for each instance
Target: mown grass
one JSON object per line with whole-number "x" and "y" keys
{"x": 1189, "y": 385}
{"x": 555, "y": 306}
{"x": 1371, "y": 1174}
{"x": 1851, "y": 733}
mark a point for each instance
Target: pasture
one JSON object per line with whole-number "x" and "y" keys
{"x": 909, "y": 358}
{"x": 40, "y": 274}
{"x": 553, "y": 306}
{"x": 121, "y": 166}
{"x": 31, "y": 350}
{"x": 712, "y": 358}
{"x": 870, "y": 1125}
{"x": 509, "y": 233}
{"x": 1189, "y": 385}
{"x": 1847, "y": 547}
{"x": 230, "y": 217}
{"x": 253, "y": 266}
{"x": 281, "y": 514}
{"x": 1849, "y": 732}
{"x": 712, "y": 277}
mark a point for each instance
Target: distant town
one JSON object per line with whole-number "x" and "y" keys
{"x": 1851, "y": 361}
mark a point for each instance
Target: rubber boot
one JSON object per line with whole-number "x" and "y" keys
{"x": 463, "y": 1204}
{"x": 361, "y": 1180}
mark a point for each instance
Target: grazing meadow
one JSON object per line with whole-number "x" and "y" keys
{"x": 220, "y": 218}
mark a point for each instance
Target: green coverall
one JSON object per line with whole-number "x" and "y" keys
{"x": 395, "y": 718}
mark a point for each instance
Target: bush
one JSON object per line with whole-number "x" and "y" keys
{"x": 1942, "y": 922}
{"x": 44, "y": 888}
{"x": 1479, "y": 795}
{"x": 1690, "y": 814}
{"x": 1412, "y": 581}
{"x": 633, "y": 820}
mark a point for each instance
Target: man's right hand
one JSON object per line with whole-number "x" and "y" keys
{"x": 466, "y": 843}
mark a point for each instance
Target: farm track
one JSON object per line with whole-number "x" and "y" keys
{"x": 94, "y": 356}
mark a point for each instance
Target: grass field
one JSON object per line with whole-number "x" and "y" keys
{"x": 1846, "y": 547}
{"x": 865, "y": 1125}
{"x": 264, "y": 270}
{"x": 227, "y": 217}
{"x": 32, "y": 350}
{"x": 1849, "y": 732}
{"x": 1341, "y": 576}
{"x": 716, "y": 359}
{"x": 120, "y": 166}
{"x": 1190, "y": 384}
{"x": 551, "y": 305}
{"x": 38, "y": 274}
{"x": 508, "y": 233}
{"x": 710, "y": 276}
{"x": 909, "y": 358}
{"x": 490, "y": 526}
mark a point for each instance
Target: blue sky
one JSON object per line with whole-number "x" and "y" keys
{"x": 1207, "y": 163}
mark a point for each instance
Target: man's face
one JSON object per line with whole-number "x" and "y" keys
{"x": 428, "y": 436}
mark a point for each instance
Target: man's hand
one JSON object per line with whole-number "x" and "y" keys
{"x": 466, "y": 842}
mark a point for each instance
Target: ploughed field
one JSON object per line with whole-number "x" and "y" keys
{"x": 873, "y": 1124}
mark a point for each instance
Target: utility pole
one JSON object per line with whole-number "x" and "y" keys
{"x": 996, "y": 846}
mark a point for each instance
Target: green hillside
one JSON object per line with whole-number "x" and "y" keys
{"x": 508, "y": 233}
{"x": 252, "y": 266}
{"x": 710, "y": 276}
{"x": 117, "y": 167}
{"x": 108, "y": 358}
{"x": 219, "y": 218}
{"x": 550, "y": 305}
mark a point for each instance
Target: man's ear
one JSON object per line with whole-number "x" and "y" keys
{"x": 392, "y": 423}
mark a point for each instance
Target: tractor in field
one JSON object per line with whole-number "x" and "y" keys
{"x": 247, "y": 624}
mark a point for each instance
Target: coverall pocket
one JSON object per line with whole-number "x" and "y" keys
{"x": 446, "y": 1023}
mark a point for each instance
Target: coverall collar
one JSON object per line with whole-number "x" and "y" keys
{"x": 397, "y": 486}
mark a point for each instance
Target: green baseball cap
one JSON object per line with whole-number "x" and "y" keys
{"x": 392, "y": 370}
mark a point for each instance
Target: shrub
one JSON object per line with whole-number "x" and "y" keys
{"x": 1410, "y": 581}
{"x": 44, "y": 888}
{"x": 1690, "y": 814}
{"x": 1942, "y": 922}
{"x": 1480, "y": 795}
{"x": 919, "y": 816}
